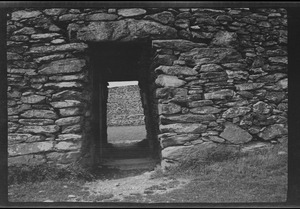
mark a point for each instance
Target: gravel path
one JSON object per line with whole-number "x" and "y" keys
{"x": 140, "y": 185}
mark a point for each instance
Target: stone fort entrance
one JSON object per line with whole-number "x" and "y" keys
{"x": 122, "y": 61}
{"x": 207, "y": 76}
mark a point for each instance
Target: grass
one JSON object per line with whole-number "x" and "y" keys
{"x": 225, "y": 176}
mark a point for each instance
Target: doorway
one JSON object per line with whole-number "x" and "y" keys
{"x": 123, "y": 62}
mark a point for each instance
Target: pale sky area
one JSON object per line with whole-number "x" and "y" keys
{"x": 122, "y": 83}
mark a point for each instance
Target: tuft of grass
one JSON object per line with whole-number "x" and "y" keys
{"x": 38, "y": 173}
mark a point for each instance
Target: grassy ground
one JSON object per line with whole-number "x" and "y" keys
{"x": 254, "y": 177}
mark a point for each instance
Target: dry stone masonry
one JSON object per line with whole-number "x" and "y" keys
{"x": 220, "y": 77}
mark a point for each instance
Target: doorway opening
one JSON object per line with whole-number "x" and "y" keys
{"x": 126, "y": 131}
{"x": 125, "y": 119}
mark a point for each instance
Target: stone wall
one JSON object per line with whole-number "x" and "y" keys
{"x": 124, "y": 106}
{"x": 220, "y": 77}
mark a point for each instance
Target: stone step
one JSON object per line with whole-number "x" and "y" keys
{"x": 130, "y": 164}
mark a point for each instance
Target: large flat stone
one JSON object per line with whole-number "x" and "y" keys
{"x": 29, "y": 148}
{"x": 67, "y": 137}
{"x": 193, "y": 128}
{"x": 36, "y": 121}
{"x": 248, "y": 86}
{"x": 169, "y": 81}
{"x": 101, "y": 17}
{"x": 14, "y": 138}
{"x": 188, "y": 153}
{"x": 187, "y": 118}
{"x": 39, "y": 114}
{"x": 66, "y": 103}
{"x": 64, "y": 85}
{"x": 125, "y": 30}
{"x": 32, "y": 99}
{"x": 235, "y": 112}
{"x": 68, "y": 121}
{"x": 177, "y": 44}
{"x": 167, "y": 141}
{"x": 235, "y": 134}
{"x": 205, "y": 110}
{"x": 176, "y": 70}
{"x": 67, "y": 95}
{"x": 164, "y": 17}
{"x": 69, "y": 111}
{"x": 63, "y": 66}
{"x": 169, "y": 108}
{"x": 67, "y": 145}
{"x": 79, "y": 47}
{"x": 131, "y": 12}
{"x": 23, "y": 14}
{"x": 48, "y": 129}
{"x": 222, "y": 94}
{"x": 215, "y": 55}
{"x": 273, "y": 131}
{"x": 26, "y": 160}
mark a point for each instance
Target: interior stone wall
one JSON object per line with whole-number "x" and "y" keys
{"x": 124, "y": 106}
{"x": 218, "y": 76}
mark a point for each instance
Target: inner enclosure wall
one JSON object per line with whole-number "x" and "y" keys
{"x": 218, "y": 76}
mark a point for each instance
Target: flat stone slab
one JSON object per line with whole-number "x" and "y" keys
{"x": 235, "y": 134}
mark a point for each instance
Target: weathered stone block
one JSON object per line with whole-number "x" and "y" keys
{"x": 237, "y": 75}
{"x": 58, "y": 48}
{"x": 179, "y": 153}
{"x": 29, "y": 148}
{"x": 169, "y": 81}
{"x": 68, "y": 121}
{"x": 275, "y": 96}
{"x": 216, "y": 139}
{"x": 283, "y": 84}
{"x": 80, "y": 76}
{"x": 23, "y": 14}
{"x": 67, "y": 145}
{"x": 261, "y": 108}
{"x": 164, "y": 17}
{"x": 273, "y": 131}
{"x": 248, "y": 86}
{"x": 193, "y": 128}
{"x": 177, "y": 44}
{"x": 36, "y": 121}
{"x": 20, "y": 138}
{"x": 32, "y": 99}
{"x": 176, "y": 70}
{"x": 169, "y": 108}
{"x": 187, "y": 118}
{"x": 63, "y": 85}
{"x": 235, "y": 134}
{"x": 101, "y": 17}
{"x": 205, "y": 110}
{"x": 125, "y": 30}
{"x": 63, "y": 66}
{"x": 39, "y": 114}
{"x": 39, "y": 129}
{"x": 67, "y": 95}
{"x": 222, "y": 94}
{"x": 200, "y": 103}
{"x": 66, "y": 103}
{"x": 70, "y": 111}
{"x": 224, "y": 38}
{"x": 26, "y": 160}
{"x": 71, "y": 129}
{"x": 210, "y": 68}
{"x": 235, "y": 112}
{"x": 177, "y": 139}
{"x": 67, "y": 137}
{"x": 55, "y": 11}
{"x": 132, "y": 12}
{"x": 44, "y": 35}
